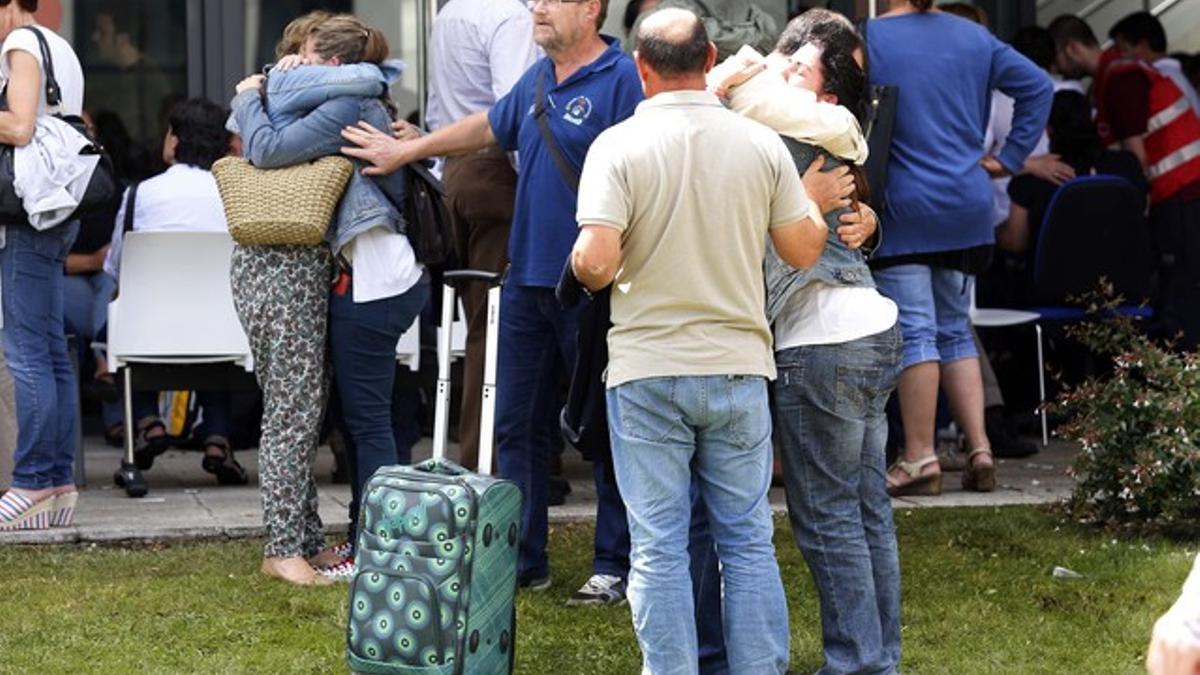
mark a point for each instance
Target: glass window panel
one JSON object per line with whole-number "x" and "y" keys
{"x": 134, "y": 57}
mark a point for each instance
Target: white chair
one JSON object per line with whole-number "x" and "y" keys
{"x": 998, "y": 317}
{"x": 408, "y": 349}
{"x": 174, "y": 308}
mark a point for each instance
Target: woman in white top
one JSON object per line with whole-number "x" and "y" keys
{"x": 31, "y": 289}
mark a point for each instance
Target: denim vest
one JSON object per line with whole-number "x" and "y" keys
{"x": 308, "y": 107}
{"x": 838, "y": 264}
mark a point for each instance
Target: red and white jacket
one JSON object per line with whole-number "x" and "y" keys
{"x": 1172, "y": 139}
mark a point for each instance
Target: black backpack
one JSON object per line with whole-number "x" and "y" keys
{"x": 427, "y": 220}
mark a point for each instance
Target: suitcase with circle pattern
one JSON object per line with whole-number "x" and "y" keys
{"x": 437, "y": 549}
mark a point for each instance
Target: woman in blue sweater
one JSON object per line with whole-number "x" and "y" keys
{"x": 937, "y": 217}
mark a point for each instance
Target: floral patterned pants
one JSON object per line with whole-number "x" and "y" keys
{"x": 282, "y": 294}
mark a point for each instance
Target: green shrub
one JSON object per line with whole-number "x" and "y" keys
{"x": 1139, "y": 427}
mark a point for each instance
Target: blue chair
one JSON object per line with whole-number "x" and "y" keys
{"x": 1095, "y": 226}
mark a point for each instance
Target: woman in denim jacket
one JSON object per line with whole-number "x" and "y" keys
{"x": 837, "y": 351}
{"x": 283, "y": 293}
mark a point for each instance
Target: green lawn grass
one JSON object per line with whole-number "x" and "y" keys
{"x": 978, "y": 598}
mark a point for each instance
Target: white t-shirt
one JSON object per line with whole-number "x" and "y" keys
{"x": 384, "y": 264}
{"x": 67, "y": 70}
{"x": 823, "y": 314}
{"x": 183, "y": 198}
{"x": 999, "y": 127}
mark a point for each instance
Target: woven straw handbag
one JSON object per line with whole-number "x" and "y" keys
{"x": 291, "y": 206}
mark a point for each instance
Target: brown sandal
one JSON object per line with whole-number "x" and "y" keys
{"x": 929, "y": 484}
{"x": 979, "y": 479}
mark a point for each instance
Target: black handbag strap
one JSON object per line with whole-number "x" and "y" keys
{"x": 130, "y": 200}
{"x": 53, "y": 93}
{"x": 565, "y": 167}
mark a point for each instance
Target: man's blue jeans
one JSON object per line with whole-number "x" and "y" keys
{"x": 362, "y": 340}
{"x": 829, "y": 406}
{"x": 718, "y": 428}
{"x": 537, "y": 349}
{"x": 35, "y": 349}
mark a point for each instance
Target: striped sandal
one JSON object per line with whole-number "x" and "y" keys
{"x": 64, "y": 509}
{"x": 18, "y": 512}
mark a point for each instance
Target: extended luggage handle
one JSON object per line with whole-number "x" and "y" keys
{"x": 458, "y": 277}
{"x": 487, "y": 413}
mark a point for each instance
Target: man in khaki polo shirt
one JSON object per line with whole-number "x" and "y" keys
{"x": 675, "y": 207}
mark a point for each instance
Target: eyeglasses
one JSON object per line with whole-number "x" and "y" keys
{"x": 551, "y": 3}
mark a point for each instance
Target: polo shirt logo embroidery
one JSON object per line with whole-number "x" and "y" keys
{"x": 578, "y": 110}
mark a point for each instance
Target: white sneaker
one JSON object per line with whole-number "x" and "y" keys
{"x": 601, "y": 589}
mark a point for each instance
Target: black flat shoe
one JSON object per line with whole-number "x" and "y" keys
{"x": 145, "y": 449}
{"x": 224, "y": 466}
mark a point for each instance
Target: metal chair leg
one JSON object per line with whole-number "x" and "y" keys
{"x": 128, "y": 475}
{"x": 1037, "y": 328}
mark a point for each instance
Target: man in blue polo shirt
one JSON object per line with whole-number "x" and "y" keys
{"x": 586, "y": 85}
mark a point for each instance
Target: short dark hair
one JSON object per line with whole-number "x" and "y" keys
{"x": 199, "y": 124}
{"x": 1035, "y": 44}
{"x": 632, "y": 11}
{"x": 1073, "y": 134}
{"x": 816, "y": 25}
{"x": 672, "y": 58}
{"x": 1069, "y": 28}
{"x": 25, "y": 5}
{"x": 603, "y": 14}
{"x": 1141, "y": 27}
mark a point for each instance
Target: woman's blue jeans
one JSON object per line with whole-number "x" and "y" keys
{"x": 362, "y": 340}
{"x": 829, "y": 410}
{"x": 86, "y": 298}
{"x": 35, "y": 349}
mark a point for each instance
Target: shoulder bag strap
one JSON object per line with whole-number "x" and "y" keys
{"x": 565, "y": 167}
{"x": 130, "y": 201}
{"x": 53, "y": 94}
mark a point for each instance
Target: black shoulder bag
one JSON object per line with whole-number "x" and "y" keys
{"x": 426, "y": 218}
{"x": 565, "y": 167}
{"x": 102, "y": 187}
{"x": 881, "y": 121}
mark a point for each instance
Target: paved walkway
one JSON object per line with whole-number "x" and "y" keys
{"x": 184, "y": 502}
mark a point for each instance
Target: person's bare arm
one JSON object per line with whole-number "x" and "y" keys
{"x": 1049, "y": 167}
{"x": 1136, "y": 145}
{"x": 596, "y": 255}
{"x": 800, "y": 243}
{"x": 87, "y": 263}
{"x": 1013, "y": 234}
{"x": 386, "y": 154}
{"x": 25, "y": 79}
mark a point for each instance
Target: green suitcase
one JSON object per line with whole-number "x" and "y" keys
{"x": 437, "y": 550}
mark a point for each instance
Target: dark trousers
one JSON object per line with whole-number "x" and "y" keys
{"x": 479, "y": 192}
{"x": 537, "y": 348}
{"x": 1176, "y": 229}
{"x": 218, "y": 412}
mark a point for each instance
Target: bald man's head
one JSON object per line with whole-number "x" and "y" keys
{"x": 672, "y": 42}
